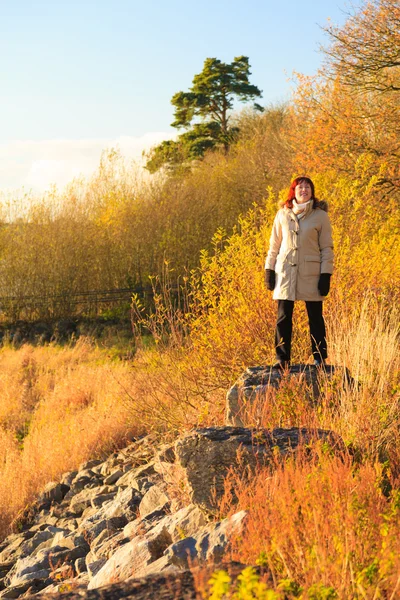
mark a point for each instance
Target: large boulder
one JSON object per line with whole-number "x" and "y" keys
{"x": 256, "y": 383}
{"x": 206, "y": 455}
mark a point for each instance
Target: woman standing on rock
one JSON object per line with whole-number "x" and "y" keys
{"x": 299, "y": 266}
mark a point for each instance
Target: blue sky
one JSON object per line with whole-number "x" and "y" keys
{"x": 80, "y": 76}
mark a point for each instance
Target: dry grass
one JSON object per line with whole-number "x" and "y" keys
{"x": 59, "y": 407}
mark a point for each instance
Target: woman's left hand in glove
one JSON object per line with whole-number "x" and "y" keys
{"x": 324, "y": 283}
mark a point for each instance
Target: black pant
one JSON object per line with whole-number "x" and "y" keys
{"x": 283, "y": 332}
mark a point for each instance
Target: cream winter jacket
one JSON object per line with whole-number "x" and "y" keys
{"x": 300, "y": 250}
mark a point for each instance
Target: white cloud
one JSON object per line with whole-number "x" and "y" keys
{"x": 38, "y": 165}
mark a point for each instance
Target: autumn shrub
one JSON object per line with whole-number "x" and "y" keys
{"x": 321, "y": 522}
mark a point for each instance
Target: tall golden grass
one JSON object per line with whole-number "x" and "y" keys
{"x": 59, "y": 407}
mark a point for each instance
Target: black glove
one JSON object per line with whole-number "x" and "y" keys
{"x": 270, "y": 279}
{"x": 324, "y": 283}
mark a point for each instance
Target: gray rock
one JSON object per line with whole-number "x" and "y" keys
{"x": 80, "y": 565}
{"x": 212, "y": 541}
{"x": 53, "y": 492}
{"x": 205, "y": 455}
{"x": 31, "y": 567}
{"x": 33, "y": 585}
{"x": 69, "y": 540}
{"x": 113, "y": 477}
{"x": 134, "y": 474}
{"x": 91, "y": 529}
{"x": 254, "y": 385}
{"x": 161, "y": 565}
{"x": 124, "y": 563}
{"x": 184, "y": 523}
{"x": 109, "y": 546}
{"x": 89, "y": 464}
{"x": 100, "y": 499}
{"x": 37, "y": 540}
{"x": 182, "y": 552}
{"x": 100, "y": 548}
{"x": 68, "y": 477}
{"x": 12, "y": 546}
{"x": 94, "y": 566}
{"x": 153, "y": 500}
{"x": 81, "y": 501}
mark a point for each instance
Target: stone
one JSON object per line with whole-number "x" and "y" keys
{"x": 53, "y": 492}
{"x": 68, "y": 477}
{"x": 135, "y": 474}
{"x": 113, "y": 477}
{"x": 5, "y": 568}
{"x": 255, "y": 384}
{"x": 205, "y": 456}
{"x": 110, "y": 545}
{"x": 81, "y": 501}
{"x": 125, "y": 562}
{"x": 31, "y": 545}
{"x": 184, "y": 523}
{"x": 212, "y": 541}
{"x": 90, "y": 530}
{"x": 32, "y": 567}
{"x": 154, "y": 499}
{"x": 13, "y": 546}
{"x": 125, "y": 503}
{"x": 100, "y": 499}
{"x": 94, "y": 566}
{"x": 182, "y": 552}
{"x": 89, "y": 464}
{"x": 33, "y": 585}
{"x": 80, "y": 565}
{"x": 161, "y": 565}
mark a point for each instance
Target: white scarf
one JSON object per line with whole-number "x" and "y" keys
{"x": 300, "y": 209}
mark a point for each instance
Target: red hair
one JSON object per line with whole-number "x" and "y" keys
{"x": 292, "y": 195}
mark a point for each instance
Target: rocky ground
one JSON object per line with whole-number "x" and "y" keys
{"x": 136, "y": 521}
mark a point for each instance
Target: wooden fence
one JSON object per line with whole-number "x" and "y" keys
{"x": 90, "y": 303}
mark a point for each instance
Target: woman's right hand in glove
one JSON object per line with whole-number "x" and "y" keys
{"x": 270, "y": 279}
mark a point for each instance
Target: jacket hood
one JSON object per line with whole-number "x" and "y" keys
{"x": 322, "y": 204}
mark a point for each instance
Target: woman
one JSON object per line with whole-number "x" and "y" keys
{"x": 299, "y": 266}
